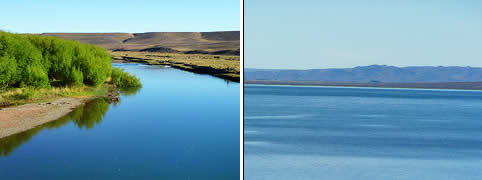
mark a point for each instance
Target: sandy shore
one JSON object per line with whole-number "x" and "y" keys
{"x": 21, "y": 118}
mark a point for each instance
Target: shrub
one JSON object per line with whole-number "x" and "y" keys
{"x": 123, "y": 79}
{"x": 40, "y": 61}
{"x": 35, "y": 76}
{"x": 75, "y": 77}
{"x": 8, "y": 70}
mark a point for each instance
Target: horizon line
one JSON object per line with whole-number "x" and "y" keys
{"x": 364, "y": 66}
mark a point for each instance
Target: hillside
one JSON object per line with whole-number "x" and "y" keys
{"x": 372, "y": 74}
{"x": 204, "y": 42}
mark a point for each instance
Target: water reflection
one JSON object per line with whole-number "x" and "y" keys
{"x": 227, "y": 82}
{"x": 86, "y": 116}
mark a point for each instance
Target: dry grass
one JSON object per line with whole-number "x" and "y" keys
{"x": 19, "y": 96}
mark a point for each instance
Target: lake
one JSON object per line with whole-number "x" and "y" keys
{"x": 339, "y": 133}
{"x": 179, "y": 125}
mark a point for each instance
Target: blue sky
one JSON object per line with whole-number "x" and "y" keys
{"x": 309, "y": 34}
{"x": 34, "y": 16}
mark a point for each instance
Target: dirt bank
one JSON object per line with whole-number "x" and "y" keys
{"x": 24, "y": 117}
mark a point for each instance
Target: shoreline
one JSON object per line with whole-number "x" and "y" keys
{"x": 17, "y": 119}
{"x": 473, "y": 86}
{"x": 20, "y": 118}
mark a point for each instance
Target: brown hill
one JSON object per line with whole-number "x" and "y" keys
{"x": 106, "y": 40}
{"x": 181, "y": 41}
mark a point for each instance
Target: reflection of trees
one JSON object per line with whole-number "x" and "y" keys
{"x": 10, "y": 143}
{"x": 86, "y": 116}
{"x": 90, "y": 114}
{"x": 227, "y": 82}
{"x": 126, "y": 91}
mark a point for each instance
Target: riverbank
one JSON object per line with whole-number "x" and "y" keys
{"x": 46, "y": 105}
{"x": 20, "y": 96}
{"x": 439, "y": 85}
{"x": 222, "y": 66}
{"x": 17, "y": 119}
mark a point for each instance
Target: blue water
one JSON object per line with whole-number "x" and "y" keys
{"x": 362, "y": 133}
{"x": 179, "y": 125}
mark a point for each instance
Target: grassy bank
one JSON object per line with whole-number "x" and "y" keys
{"x": 18, "y": 96}
{"x": 119, "y": 80}
{"x": 223, "y": 66}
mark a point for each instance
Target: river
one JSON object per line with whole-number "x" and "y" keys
{"x": 179, "y": 125}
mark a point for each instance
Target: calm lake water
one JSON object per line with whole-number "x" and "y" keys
{"x": 179, "y": 125}
{"x": 362, "y": 133}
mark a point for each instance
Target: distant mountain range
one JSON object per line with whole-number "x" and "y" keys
{"x": 371, "y": 74}
{"x": 222, "y": 42}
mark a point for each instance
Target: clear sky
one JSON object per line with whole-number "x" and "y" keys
{"x": 309, "y": 34}
{"x": 38, "y": 16}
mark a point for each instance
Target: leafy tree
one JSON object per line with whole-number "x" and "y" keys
{"x": 123, "y": 79}
{"x": 40, "y": 61}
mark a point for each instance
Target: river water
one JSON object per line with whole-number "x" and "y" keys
{"x": 179, "y": 125}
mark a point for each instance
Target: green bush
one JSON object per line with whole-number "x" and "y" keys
{"x": 8, "y": 70}
{"x": 35, "y": 76}
{"x": 75, "y": 77}
{"x": 40, "y": 61}
{"x": 123, "y": 79}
